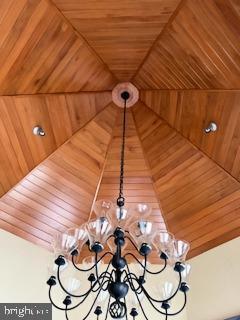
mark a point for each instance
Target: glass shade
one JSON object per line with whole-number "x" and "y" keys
{"x": 98, "y": 231}
{"x": 132, "y": 300}
{"x": 101, "y": 207}
{"x": 181, "y": 249}
{"x": 167, "y": 290}
{"x": 52, "y": 268}
{"x": 142, "y": 211}
{"x": 164, "y": 242}
{"x": 72, "y": 284}
{"x": 65, "y": 242}
{"x": 186, "y": 272}
{"x": 120, "y": 217}
{"x": 142, "y": 232}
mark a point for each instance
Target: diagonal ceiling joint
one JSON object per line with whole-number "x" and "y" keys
{"x": 193, "y": 145}
{"x": 82, "y": 37}
{"x": 171, "y": 19}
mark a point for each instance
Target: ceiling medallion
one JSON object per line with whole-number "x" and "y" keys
{"x": 125, "y": 87}
{"x": 119, "y": 288}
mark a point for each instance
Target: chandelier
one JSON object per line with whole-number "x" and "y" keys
{"x": 110, "y": 239}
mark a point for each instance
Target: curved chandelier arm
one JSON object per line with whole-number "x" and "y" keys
{"x": 129, "y": 280}
{"x": 93, "y": 266}
{"x": 170, "y": 298}
{"x": 66, "y": 315}
{"x": 87, "y": 292}
{"x": 70, "y": 294}
{"x": 63, "y": 309}
{"x": 171, "y": 314}
{"x": 109, "y": 300}
{"x": 148, "y": 271}
{"x": 132, "y": 277}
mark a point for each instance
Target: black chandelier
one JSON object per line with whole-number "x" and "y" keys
{"x": 116, "y": 229}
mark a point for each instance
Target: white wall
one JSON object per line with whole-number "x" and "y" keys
{"x": 215, "y": 283}
{"x": 23, "y": 275}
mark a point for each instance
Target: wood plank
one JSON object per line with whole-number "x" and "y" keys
{"x": 40, "y": 52}
{"x": 60, "y": 115}
{"x": 189, "y": 112}
{"x": 200, "y": 49}
{"x": 121, "y": 32}
{"x": 59, "y": 193}
{"x": 200, "y": 201}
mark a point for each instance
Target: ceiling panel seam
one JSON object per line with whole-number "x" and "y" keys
{"x": 170, "y": 21}
{"x": 82, "y": 38}
{"x": 193, "y": 145}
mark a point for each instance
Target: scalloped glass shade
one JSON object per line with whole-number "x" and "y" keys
{"x": 142, "y": 232}
{"x": 99, "y": 230}
{"x": 181, "y": 249}
{"x": 65, "y": 242}
{"x": 101, "y": 207}
{"x": 164, "y": 242}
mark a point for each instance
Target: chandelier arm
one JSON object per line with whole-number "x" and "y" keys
{"x": 132, "y": 286}
{"x": 70, "y": 294}
{"x": 166, "y": 315}
{"x": 170, "y": 298}
{"x": 126, "y": 318}
{"x": 133, "y": 277}
{"x": 90, "y": 310}
{"x": 109, "y": 300}
{"x": 93, "y": 266}
{"x": 63, "y": 309}
{"x": 148, "y": 271}
{"x": 145, "y": 266}
{"x": 86, "y": 293}
{"x": 66, "y": 315}
{"x": 132, "y": 242}
{"x": 170, "y": 314}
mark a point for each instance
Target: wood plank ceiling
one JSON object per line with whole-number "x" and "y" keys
{"x": 59, "y": 62}
{"x": 119, "y": 29}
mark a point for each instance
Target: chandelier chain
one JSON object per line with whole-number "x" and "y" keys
{"x": 123, "y": 151}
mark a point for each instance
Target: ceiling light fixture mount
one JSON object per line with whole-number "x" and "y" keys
{"x": 115, "y": 226}
{"x": 38, "y": 131}
{"x": 127, "y": 87}
{"x": 212, "y": 127}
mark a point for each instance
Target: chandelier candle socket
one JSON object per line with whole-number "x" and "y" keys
{"x": 117, "y": 289}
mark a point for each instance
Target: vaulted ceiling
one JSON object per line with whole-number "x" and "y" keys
{"x": 60, "y": 60}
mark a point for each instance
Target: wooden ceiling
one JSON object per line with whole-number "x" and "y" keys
{"x": 59, "y": 62}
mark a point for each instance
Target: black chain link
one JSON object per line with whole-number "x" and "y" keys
{"x": 121, "y": 199}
